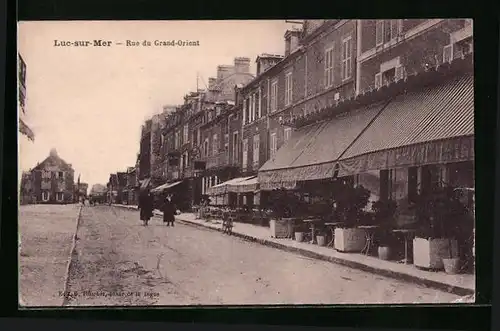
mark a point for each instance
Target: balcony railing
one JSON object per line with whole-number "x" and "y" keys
{"x": 220, "y": 160}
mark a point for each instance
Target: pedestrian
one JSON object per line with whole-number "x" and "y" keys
{"x": 168, "y": 211}
{"x": 146, "y": 207}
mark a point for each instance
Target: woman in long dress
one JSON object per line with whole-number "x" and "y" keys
{"x": 146, "y": 207}
{"x": 168, "y": 211}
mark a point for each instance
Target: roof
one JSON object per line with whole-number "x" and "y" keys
{"x": 222, "y": 187}
{"x": 54, "y": 160}
{"x": 313, "y": 150}
{"x": 436, "y": 113}
{"x": 249, "y": 185}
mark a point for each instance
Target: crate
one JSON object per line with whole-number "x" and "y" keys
{"x": 280, "y": 228}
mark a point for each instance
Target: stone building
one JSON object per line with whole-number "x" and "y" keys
{"x": 51, "y": 181}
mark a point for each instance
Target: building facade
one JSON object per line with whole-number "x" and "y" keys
{"x": 402, "y": 123}
{"x": 51, "y": 181}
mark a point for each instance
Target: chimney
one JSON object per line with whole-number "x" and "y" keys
{"x": 241, "y": 65}
{"x": 224, "y": 71}
{"x": 291, "y": 41}
{"x": 53, "y": 152}
{"x": 211, "y": 83}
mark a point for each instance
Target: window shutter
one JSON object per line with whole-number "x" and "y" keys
{"x": 378, "y": 80}
{"x": 448, "y": 53}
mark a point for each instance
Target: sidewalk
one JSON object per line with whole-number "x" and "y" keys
{"x": 458, "y": 284}
{"x": 47, "y": 235}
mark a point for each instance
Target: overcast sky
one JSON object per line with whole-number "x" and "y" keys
{"x": 89, "y": 102}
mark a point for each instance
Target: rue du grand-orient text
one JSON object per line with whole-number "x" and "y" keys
{"x": 130, "y": 43}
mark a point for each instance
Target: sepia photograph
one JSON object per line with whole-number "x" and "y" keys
{"x": 246, "y": 162}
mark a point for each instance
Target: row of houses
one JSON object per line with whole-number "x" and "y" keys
{"x": 387, "y": 103}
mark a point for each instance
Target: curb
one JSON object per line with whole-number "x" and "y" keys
{"x": 72, "y": 252}
{"x": 457, "y": 290}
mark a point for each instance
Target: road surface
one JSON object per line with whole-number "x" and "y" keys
{"x": 120, "y": 262}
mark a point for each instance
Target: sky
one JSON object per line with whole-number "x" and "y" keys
{"x": 89, "y": 102}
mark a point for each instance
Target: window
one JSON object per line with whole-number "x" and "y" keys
{"x": 186, "y": 134}
{"x": 205, "y": 147}
{"x": 256, "y": 143}
{"x": 46, "y": 174}
{"x": 288, "y": 89}
{"x": 226, "y": 145}
{"x": 235, "y": 147}
{"x": 288, "y": 133}
{"x": 274, "y": 144}
{"x": 215, "y": 144}
{"x": 245, "y": 153}
{"x": 252, "y": 107}
{"x": 176, "y": 139}
{"x": 274, "y": 96}
{"x": 394, "y": 184}
{"x": 60, "y": 196}
{"x": 346, "y": 58}
{"x": 388, "y": 76}
{"x": 45, "y": 196}
{"x": 329, "y": 67}
{"x": 259, "y": 104}
{"x": 379, "y": 32}
{"x": 396, "y": 28}
{"x": 60, "y": 174}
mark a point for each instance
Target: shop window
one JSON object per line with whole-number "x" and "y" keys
{"x": 45, "y": 196}
{"x": 60, "y": 196}
{"x": 393, "y": 184}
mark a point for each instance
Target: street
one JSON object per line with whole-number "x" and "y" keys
{"x": 120, "y": 262}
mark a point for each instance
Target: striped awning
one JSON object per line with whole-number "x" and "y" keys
{"x": 435, "y": 125}
{"x": 222, "y": 188}
{"x": 312, "y": 151}
{"x": 145, "y": 183}
{"x": 245, "y": 186}
{"x": 165, "y": 187}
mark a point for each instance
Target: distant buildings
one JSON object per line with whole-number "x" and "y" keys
{"x": 51, "y": 181}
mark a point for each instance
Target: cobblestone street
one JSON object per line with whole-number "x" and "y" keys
{"x": 123, "y": 263}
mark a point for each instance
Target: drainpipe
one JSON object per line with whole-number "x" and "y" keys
{"x": 358, "y": 55}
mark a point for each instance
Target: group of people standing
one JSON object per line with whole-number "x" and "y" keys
{"x": 146, "y": 207}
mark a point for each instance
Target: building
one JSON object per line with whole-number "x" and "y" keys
{"x": 51, "y": 181}
{"x": 27, "y": 191}
{"x": 23, "y": 125}
{"x": 186, "y": 128}
{"x": 408, "y": 127}
{"x": 112, "y": 187}
{"x": 81, "y": 189}
{"x": 131, "y": 191}
{"x": 145, "y": 151}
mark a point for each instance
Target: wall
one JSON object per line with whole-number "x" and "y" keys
{"x": 413, "y": 53}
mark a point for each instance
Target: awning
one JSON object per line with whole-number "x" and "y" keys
{"x": 222, "y": 187}
{"x": 245, "y": 186}
{"x": 165, "y": 187}
{"x": 312, "y": 151}
{"x": 435, "y": 125}
{"x": 26, "y": 130}
{"x": 145, "y": 183}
